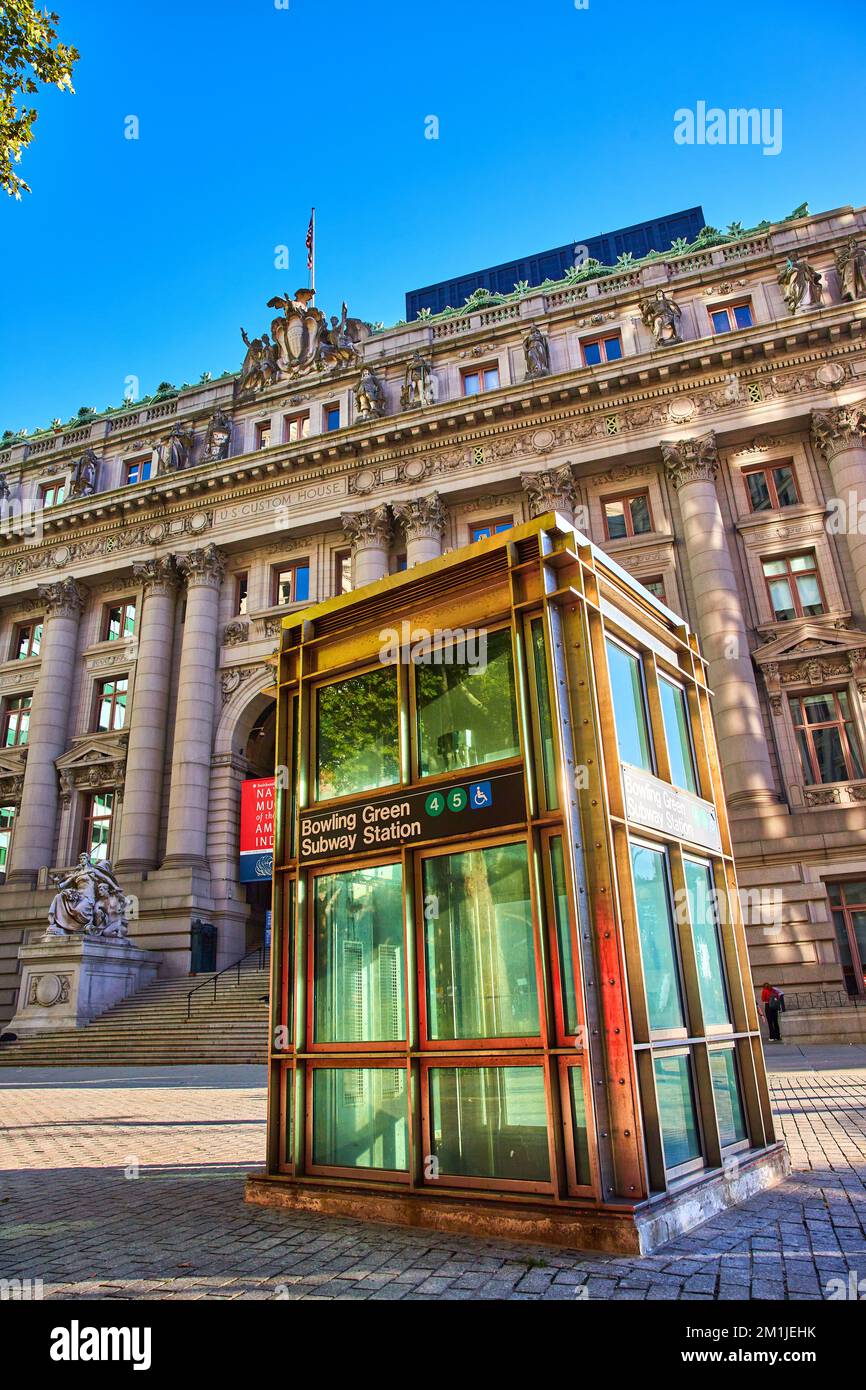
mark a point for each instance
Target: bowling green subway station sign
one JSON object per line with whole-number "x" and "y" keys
{"x": 455, "y": 810}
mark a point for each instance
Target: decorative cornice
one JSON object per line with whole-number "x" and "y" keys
{"x": 65, "y": 598}
{"x": 691, "y": 460}
{"x": 839, "y": 428}
{"x": 372, "y": 527}
{"x": 205, "y": 566}
{"x": 422, "y": 518}
{"x": 550, "y": 490}
{"x": 159, "y": 576}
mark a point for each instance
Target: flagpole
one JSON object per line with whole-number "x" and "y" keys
{"x": 313, "y": 251}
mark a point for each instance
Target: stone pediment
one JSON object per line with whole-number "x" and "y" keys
{"x": 812, "y": 655}
{"x": 12, "y": 764}
{"x": 811, "y": 640}
{"x": 93, "y": 761}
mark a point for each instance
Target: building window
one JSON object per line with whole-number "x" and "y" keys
{"x": 290, "y": 584}
{"x": 359, "y": 958}
{"x": 627, "y": 516}
{"x": 296, "y": 427}
{"x": 848, "y": 904}
{"x": 656, "y": 587}
{"x": 119, "y": 621}
{"x": 629, "y": 707}
{"x": 675, "y": 716}
{"x": 15, "y": 726}
{"x": 398, "y": 563}
{"x": 483, "y": 530}
{"x": 794, "y": 586}
{"x": 331, "y": 417}
{"x": 770, "y": 488}
{"x": 598, "y": 350}
{"x": 701, "y": 895}
{"x": 727, "y": 318}
{"x": 479, "y": 945}
{"x": 678, "y": 1119}
{"x": 490, "y": 1122}
{"x": 467, "y": 707}
{"x": 360, "y": 1118}
{"x": 357, "y": 734}
{"x": 657, "y": 942}
{"x": 827, "y": 739}
{"x": 478, "y": 379}
{"x": 52, "y": 494}
{"x": 96, "y": 831}
{"x": 263, "y": 434}
{"x": 7, "y": 820}
{"x": 139, "y": 470}
{"x": 342, "y": 571}
{"x": 111, "y": 696}
{"x": 726, "y": 1093}
{"x": 27, "y": 640}
{"x": 241, "y": 590}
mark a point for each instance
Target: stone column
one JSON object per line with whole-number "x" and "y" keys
{"x": 423, "y": 520}
{"x": 370, "y": 536}
{"x": 49, "y": 721}
{"x": 145, "y": 758}
{"x": 551, "y": 490}
{"x": 186, "y": 844}
{"x": 692, "y": 465}
{"x": 840, "y": 435}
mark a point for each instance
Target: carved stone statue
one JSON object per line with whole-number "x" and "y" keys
{"x": 851, "y": 267}
{"x": 536, "y": 353}
{"x": 801, "y": 286}
{"x": 369, "y": 397}
{"x": 303, "y": 338}
{"x": 174, "y": 452}
{"x": 83, "y": 482}
{"x": 260, "y": 366}
{"x": 89, "y": 902}
{"x": 662, "y": 317}
{"x": 419, "y": 383}
{"x": 5, "y": 490}
{"x": 219, "y": 437}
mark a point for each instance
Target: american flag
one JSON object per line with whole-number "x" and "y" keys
{"x": 311, "y": 242}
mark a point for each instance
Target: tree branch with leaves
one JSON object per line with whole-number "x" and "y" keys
{"x": 29, "y": 55}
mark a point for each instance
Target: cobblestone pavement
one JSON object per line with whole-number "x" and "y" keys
{"x": 129, "y": 1184}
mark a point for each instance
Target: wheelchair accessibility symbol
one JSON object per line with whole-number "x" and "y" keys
{"x": 480, "y": 796}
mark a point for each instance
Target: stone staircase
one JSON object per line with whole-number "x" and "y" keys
{"x": 151, "y": 1028}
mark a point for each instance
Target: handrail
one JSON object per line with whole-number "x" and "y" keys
{"x": 260, "y": 951}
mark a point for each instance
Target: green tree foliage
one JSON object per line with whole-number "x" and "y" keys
{"x": 29, "y": 55}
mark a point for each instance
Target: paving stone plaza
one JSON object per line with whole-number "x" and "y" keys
{"x": 128, "y": 1184}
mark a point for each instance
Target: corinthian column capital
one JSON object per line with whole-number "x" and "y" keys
{"x": 840, "y": 427}
{"x": 206, "y": 566}
{"x": 65, "y": 598}
{"x": 160, "y": 576}
{"x": 423, "y": 518}
{"x": 550, "y": 490}
{"x": 372, "y": 527}
{"x": 691, "y": 460}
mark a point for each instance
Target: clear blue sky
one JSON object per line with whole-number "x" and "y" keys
{"x": 144, "y": 257}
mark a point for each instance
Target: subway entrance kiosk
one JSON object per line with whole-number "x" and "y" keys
{"x": 511, "y": 994}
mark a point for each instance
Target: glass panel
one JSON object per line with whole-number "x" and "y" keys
{"x": 563, "y": 937}
{"x": 830, "y": 754}
{"x": 360, "y": 1118}
{"x": 774, "y": 567}
{"x": 467, "y": 711}
{"x": 676, "y": 722}
{"x": 743, "y": 316}
{"x": 849, "y": 974}
{"x": 626, "y": 683}
{"x": 810, "y": 595}
{"x": 613, "y": 349}
{"x": 721, "y": 323}
{"x": 818, "y": 709}
{"x": 676, "y": 1103}
{"x": 658, "y": 951}
{"x": 700, "y": 890}
{"x": 545, "y": 719}
{"x": 471, "y": 384}
{"x": 858, "y": 922}
{"x": 786, "y": 487}
{"x": 759, "y": 493}
{"x": 579, "y": 1126}
{"x": 479, "y": 945}
{"x": 780, "y": 598}
{"x": 357, "y": 734}
{"x": 729, "y": 1107}
{"x": 640, "y": 515}
{"x": 802, "y": 562}
{"x": 615, "y": 516}
{"x": 302, "y": 583}
{"x": 490, "y": 1122}
{"x": 491, "y": 378}
{"x": 592, "y": 354}
{"x": 359, "y": 961}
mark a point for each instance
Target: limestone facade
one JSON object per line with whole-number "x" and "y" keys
{"x": 661, "y": 454}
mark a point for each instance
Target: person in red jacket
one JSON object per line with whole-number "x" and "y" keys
{"x": 771, "y": 999}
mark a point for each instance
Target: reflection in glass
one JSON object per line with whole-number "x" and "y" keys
{"x": 583, "y": 1171}
{"x": 563, "y": 936}
{"x": 658, "y": 951}
{"x": 467, "y": 713}
{"x": 729, "y": 1107}
{"x": 548, "y": 746}
{"x": 676, "y": 722}
{"x": 700, "y": 891}
{"x": 359, "y": 964}
{"x": 490, "y": 1122}
{"x": 357, "y": 734}
{"x": 676, "y": 1102}
{"x": 360, "y": 1118}
{"x": 629, "y": 709}
{"x": 479, "y": 945}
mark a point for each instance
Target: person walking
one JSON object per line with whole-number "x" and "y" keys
{"x": 771, "y": 1000}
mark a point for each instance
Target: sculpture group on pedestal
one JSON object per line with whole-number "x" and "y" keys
{"x": 299, "y": 339}
{"x": 89, "y": 902}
